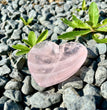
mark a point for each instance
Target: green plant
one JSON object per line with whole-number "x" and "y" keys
{"x": 84, "y": 7}
{"x": 83, "y": 28}
{"x": 26, "y": 22}
{"x": 30, "y": 42}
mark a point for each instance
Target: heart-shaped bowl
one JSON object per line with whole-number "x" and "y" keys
{"x": 50, "y": 64}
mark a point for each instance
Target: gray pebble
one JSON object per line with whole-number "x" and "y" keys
{"x": 20, "y": 63}
{"x": 100, "y": 75}
{"x": 70, "y": 96}
{"x": 67, "y": 6}
{"x": 43, "y": 100}
{"x": 3, "y": 48}
{"x": 11, "y": 105}
{"x": 87, "y": 74}
{"x": 13, "y": 84}
{"x": 91, "y": 90}
{"x": 74, "y": 82}
{"x": 3, "y": 81}
{"x": 36, "y": 86}
{"x": 32, "y": 13}
{"x": 104, "y": 90}
{"x": 16, "y": 75}
{"x": 3, "y": 99}
{"x": 102, "y": 48}
{"x": 21, "y": 2}
{"x": 26, "y": 29}
{"x": 84, "y": 103}
{"x": 54, "y": 37}
{"x": 14, "y": 5}
{"x": 58, "y": 30}
{"x": 14, "y": 95}
{"x": 16, "y": 34}
{"x": 59, "y": 9}
{"x": 91, "y": 43}
{"x": 37, "y": 8}
{"x": 92, "y": 52}
{"x": 27, "y": 88}
{"x": 4, "y": 70}
{"x": 103, "y": 63}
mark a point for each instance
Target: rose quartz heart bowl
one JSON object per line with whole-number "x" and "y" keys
{"x": 50, "y": 64}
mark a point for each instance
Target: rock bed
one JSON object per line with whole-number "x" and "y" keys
{"x": 87, "y": 90}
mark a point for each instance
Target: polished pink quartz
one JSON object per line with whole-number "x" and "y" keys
{"x": 50, "y": 64}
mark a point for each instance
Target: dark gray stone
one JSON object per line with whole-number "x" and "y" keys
{"x": 4, "y": 48}
{"x": 104, "y": 89}
{"x": 43, "y": 100}
{"x": 58, "y": 30}
{"x": 36, "y": 86}
{"x": 54, "y": 37}
{"x": 27, "y": 88}
{"x": 92, "y": 52}
{"x": 4, "y": 70}
{"x": 11, "y": 105}
{"x": 102, "y": 48}
{"x": 91, "y": 90}
{"x": 67, "y": 6}
{"x": 3, "y": 81}
{"x": 13, "y": 84}
{"x": 26, "y": 29}
{"x": 14, "y": 5}
{"x": 3, "y": 99}
{"x": 20, "y": 63}
{"x": 59, "y": 9}
{"x": 100, "y": 75}
{"x": 87, "y": 74}
{"x": 16, "y": 34}
{"x": 14, "y": 95}
{"x": 74, "y": 82}
{"x": 32, "y": 13}
{"x": 16, "y": 75}
{"x": 103, "y": 63}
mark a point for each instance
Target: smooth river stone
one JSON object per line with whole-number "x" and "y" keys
{"x": 50, "y": 64}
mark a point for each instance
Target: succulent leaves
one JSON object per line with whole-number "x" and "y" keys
{"x": 26, "y": 22}
{"x": 32, "y": 41}
{"x": 83, "y": 28}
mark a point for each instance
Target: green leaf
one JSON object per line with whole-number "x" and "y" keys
{"x": 23, "y": 20}
{"x": 78, "y": 23}
{"x": 95, "y": 37}
{"x": 27, "y": 42}
{"x": 102, "y": 29}
{"x": 104, "y": 22}
{"x": 42, "y": 37}
{"x": 32, "y": 38}
{"x": 72, "y": 35}
{"x": 83, "y": 5}
{"x": 78, "y": 9}
{"x": 29, "y": 20}
{"x": 20, "y": 47}
{"x": 93, "y": 14}
{"x": 67, "y": 22}
{"x": 22, "y": 52}
{"x": 89, "y": 23}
